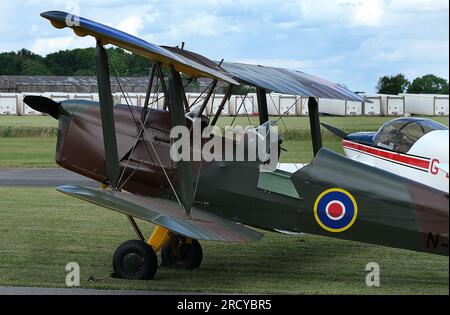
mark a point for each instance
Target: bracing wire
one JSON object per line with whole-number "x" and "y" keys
{"x": 240, "y": 106}
{"x": 145, "y": 132}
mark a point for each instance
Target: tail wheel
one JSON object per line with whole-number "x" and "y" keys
{"x": 181, "y": 254}
{"x": 135, "y": 260}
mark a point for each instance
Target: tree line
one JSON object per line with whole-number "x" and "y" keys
{"x": 81, "y": 62}
{"x": 427, "y": 84}
{"x": 76, "y": 62}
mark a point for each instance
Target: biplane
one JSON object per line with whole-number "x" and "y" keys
{"x": 127, "y": 150}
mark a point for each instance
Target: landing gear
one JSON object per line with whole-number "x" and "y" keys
{"x": 135, "y": 260}
{"x": 182, "y": 253}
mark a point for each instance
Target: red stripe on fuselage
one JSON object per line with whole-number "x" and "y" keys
{"x": 422, "y": 163}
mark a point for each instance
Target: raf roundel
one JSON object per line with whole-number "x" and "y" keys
{"x": 335, "y": 210}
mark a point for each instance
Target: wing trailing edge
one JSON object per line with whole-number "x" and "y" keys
{"x": 289, "y": 82}
{"x": 199, "y": 225}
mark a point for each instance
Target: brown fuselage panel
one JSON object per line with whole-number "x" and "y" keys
{"x": 81, "y": 149}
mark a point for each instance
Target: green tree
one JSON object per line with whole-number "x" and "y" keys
{"x": 68, "y": 62}
{"x": 118, "y": 59}
{"x": 429, "y": 84}
{"x": 76, "y": 62}
{"x": 138, "y": 65}
{"x": 392, "y": 84}
{"x": 34, "y": 67}
{"x": 10, "y": 64}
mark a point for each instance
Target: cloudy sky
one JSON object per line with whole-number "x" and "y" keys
{"x": 352, "y": 42}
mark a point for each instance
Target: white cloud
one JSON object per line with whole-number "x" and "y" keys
{"x": 389, "y": 56}
{"x": 202, "y": 24}
{"x": 46, "y": 45}
{"x": 43, "y": 46}
{"x": 131, "y": 25}
{"x": 348, "y": 41}
{"x": 287, "y": 25}
{"x": 336, "y": 13}
{"x": 368, "y": 13}
{"x": 418, "y": 5}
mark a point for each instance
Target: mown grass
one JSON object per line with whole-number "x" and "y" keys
{"x": 350, "y": 123}
{"x": 297, "y": 127}
{"x": 29, "y": 141}
{"x": 28, "y": 126}
{"x": 42, "y": 230}
{"x": 27, "y": 152}
{"x": 28, "y": 121}
{"x": 40, "y": 152}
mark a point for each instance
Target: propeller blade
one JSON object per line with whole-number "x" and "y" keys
{"x": 43, "y": 105}
{"x": 338, "y": 132}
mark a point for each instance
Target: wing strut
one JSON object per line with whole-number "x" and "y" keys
{"x": 262, "y": 106}
{"x": 184, "y": 168}
{"x": 163, "y": 85}
{"x": 313, "y": 110}
{"x": 207, "y": 98}
{"x": 222, "y": 104}
{"x": 107, "y": 115}
{"x": 149, "y": 91}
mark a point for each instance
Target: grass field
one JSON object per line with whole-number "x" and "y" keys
{"x": 28, "y": 121}
{"x": 23, "y": 126}
{"x": 29, "y": 141}
{"x": 40, "y": 152}
{"x": 27, "y": 152}
{"x": 42, "y": 230}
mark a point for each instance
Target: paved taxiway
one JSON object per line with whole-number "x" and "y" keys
{"x": 42, "y": 177}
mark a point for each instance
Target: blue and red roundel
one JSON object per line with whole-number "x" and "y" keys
{"x": 335, "y": 210}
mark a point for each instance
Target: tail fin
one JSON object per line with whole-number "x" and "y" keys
{"x": 341, "y": 134}
{"x": 380, "y": 207}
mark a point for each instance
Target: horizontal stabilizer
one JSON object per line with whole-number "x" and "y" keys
{"x": 443, "y": 167}
{"x": 338, "y": 132}
{"x": 169, "y": 214}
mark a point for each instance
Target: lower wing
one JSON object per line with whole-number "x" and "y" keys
{"x": 169, "y": 214}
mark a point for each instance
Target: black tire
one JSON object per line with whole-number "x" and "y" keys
{"x": 135, "y": 260}
{"x": 187, "y": 256}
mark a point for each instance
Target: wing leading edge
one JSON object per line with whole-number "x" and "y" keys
{"x": 270, "y": 79}
{"x": 110, "y": 35}
{"x": 200, "y": 225}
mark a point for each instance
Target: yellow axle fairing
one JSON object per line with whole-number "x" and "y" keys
{"x": 158, "y": 238}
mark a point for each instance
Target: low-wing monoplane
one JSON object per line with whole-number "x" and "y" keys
{"x": 415, "y": 148}
{"x": 128, "y": 150}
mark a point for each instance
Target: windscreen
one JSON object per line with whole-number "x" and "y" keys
{"x": 401, "y": 134}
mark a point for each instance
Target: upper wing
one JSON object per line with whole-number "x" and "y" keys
{"x": 109, "y": 35}
{"x": 288, "y": 82}
{"x": 269, "y": 78}
{"x": 199, "y": 225}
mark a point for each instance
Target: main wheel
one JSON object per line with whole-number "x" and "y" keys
{"x": 135, "y": 260}
{"x": 182, "y": 255}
